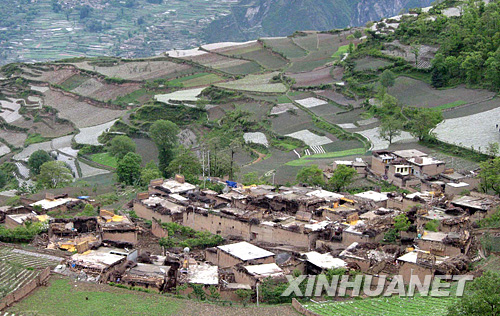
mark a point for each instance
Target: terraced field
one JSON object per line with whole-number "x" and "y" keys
{"x": 386, "y": 306}
{"x": 18, "y": 267}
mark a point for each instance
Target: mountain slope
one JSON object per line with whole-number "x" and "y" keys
{"x": 256, "y": 18}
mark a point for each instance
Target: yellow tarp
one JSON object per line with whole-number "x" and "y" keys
{"x": 43, "y": 218}
{"x": 116, "y": 218}
{"x": 70, "y": 248}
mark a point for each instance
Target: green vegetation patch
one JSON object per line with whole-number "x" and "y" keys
{"x": 34, "y": 138}
{"x": 257, "y": 83}
{"x": 307, "y": 159}
{"x": 196, "y": 80}
{"x": 82, "y": 301}
{"x": 394, "y": 305}
{"x": 105, "y": 159}
{"x": 341, "y": 51}
{"x": 74, "y": 82}
{"x": 451, "y": 105}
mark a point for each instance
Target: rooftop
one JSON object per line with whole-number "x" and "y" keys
{"x": 327, "y": 195}
{"x": 95, "y": 259}
{"x": 177, "y": 187}
{"x": 409, "y": 153}
{"x": 425, "y": 161}
{"x": 412, "y": 257}
{"x": 265, "y": 270}
{"x": 245, "y": 251}
{"x": 434, "y": 236}
{"x": 156, "y": 200}
{"x": 473, "y": 202}
{"x": 49, "y": 204}
{"x": 324, "y": 261}
{"x": 203, "y": 274}
{"x": 149, "y": 270}
{"x": 372, "y": 195}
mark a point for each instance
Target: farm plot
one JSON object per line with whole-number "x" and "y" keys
{"x": 472, "y": 109}
{"x": 80, "y": 113}
{"x": 311, "y": 102}
{"x": 255, "y": 51}
{"x": 200, "y": 79}
{"x": 4, "y": 150}
{"x": 282, "y": 108}
{"x": 256, "y": 83}
{"x": 477, "y": 130}
{"x": 74, "y": 81}
{"x": 393, "y": 305}
{"x": 10, "y": 110}
{"x": 308, "y": 42}
{"x": 313, "y": 78}
{"x": 103, "y": 91}
{"x": 326, "y": 111}
{"x": 231, "y": 48}
{"x": 226, "y": 64}
{"x": 285, "y": 46}
{"x": 89, "y": 135}
{"x": 418, "y": 93}
{"x": 39, "y": 88}
{"x": 256, "y": 138}
{"x": 53, "y": 76}
{"x": 287, "y": 122}
{"x": 18, "y": 267}
{"x": 13, "y": 138}
{"x": 310, "y": 139}
{"x": 26, "y": 153}
{"x": 378, "y": 143}
{"x": 258, "y": 111}
{"x": 336, "y": 97}
{"x": 190, "y": 95}
{"x": 142, "y": 70}
{"x": 88, "y": 171}
{"x": 371, "y": 63}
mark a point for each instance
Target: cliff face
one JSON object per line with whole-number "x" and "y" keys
{"x": 256, "y": 18}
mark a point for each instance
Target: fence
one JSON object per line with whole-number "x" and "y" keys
{"x": 26, "y": 289}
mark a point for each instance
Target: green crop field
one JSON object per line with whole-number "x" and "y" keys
{"x": 370, "y": 63}
{"x": 257, "y": 83}
{"x": 308, "y": 42}
{"x": 286, "y": 47}
{"x": 105, "y": 159}
{"x": 200, "y": 79}
{"x": 266, "y": 59}
{"x": 329, "y": 155}
{"x": 386, "y": 306}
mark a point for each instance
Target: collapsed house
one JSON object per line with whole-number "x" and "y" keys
{"x": 371, "y": 258}
{"x": 150, "y": 276}
{"x": 419, "y": 263}
{"x": 228, "y": 256}
{"x": 449, "y": 220}
{"x": 477, "y": 207}
{"x": 14, "y": 220}
{"x": 317, "y": 263}
{"x": 253, "y": 274}
{"x": 443, "y": 244}
{"x": 53, "y": 203}
{"x": 118, "y": 230}
{"x": 100, "y": 266}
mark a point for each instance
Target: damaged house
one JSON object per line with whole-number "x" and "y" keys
{"x": 118, "y": 230}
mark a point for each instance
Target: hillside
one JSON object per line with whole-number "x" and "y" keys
{"x": 252, "y": 19}
{"x": 268, "y": 107}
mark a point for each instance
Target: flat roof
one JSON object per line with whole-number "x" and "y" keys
{"x": 20, "y": 218}
{"x": 245, "y": 251}
{"x": 409, "y": 153}
{"x": 324, "y": 261}
{"x": 434, "y": 236}
{"x": 327, "y": 195}
{"x": 372, "y": 195}
{"x": 48, "y": 204}
{"x": 265, "y": 270}
{"x": 155, "y": 200}
{"x": 458, "y": 185}
{"x": 412, "y": 257}
{"x": 426, "y": 161}
{"x": 95, "y": 259}
{"x": 474, "y": 202}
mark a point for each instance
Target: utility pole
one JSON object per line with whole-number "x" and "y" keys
{"x": 203, "y": 165}
{"x": 257, "y": 291}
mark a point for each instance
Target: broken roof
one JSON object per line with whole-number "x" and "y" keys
{"x": 177, "y": 187}
{"x": 96, "y": 260}
{"x": 203, "y": 274}
{"x": 152, "y": 201}
{"x": 327, "y": 195}
{"x": 148, "y": 271}
{"x": 324, "y": 261}
{"x": 480, "y": 203}
{"x": 412, "y": 257}
{"x": 434, "y": 236}
{"x": 245, "y": 251}
{"x": 265, "y": 270}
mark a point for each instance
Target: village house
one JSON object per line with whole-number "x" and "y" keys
{"x": 317, "y": 263}
{"x": 379, "y": 199}
{"x": 443, "y": 244}
{"x": 14, "y": 220}
{"x": 419, "y": 263}
{"x": 150, "y": 276}
{"x": 371, "y": 258}
{"x": 478, "y": 206}
{"x": 449, "y": 220}
{"x": 253, "y": 274}
{"x": 98, "y": 264}
{"x": 118, "y": 230}
{"x": 358, "y": 164}
{"x": 242, "y": 253}
{"x": 55, "y": 203}
{"x": 162, "y": 208}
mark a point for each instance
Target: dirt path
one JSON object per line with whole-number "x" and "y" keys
{"x": 261, "y": 157}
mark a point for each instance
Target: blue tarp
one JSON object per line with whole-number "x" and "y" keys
{"x": 232, "y": 184}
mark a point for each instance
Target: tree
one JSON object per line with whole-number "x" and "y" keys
{"x": 54, "y": 174}
{"x": 481, "y": 297}
{"x": 129, "y": 169}
{"x": 389, "y": 106}
{"x": 250, "y": 178}
{"x": 37, "y": 159}
{"x": 150, "y": 172}
{"x": 390, "y": 128}
{"x": 422, "y": 121}
{"x": 185, "y": 163}
{"x": 311, "y": 175}
{"x": 415, "y": 49}
{"x": 492, "y": 149}
{"x": 387, "y": 78}
{"x": 341, "y": 178}
{"x": 490, "y": 175}
{"x": 164, "y": 135}
{"x": 472, "y": 66}
{"x": 120, "y": 146}
{"x": 401, "y": 223}
{"x": 358, "y": 34}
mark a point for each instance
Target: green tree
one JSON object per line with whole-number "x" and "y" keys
{"x": 481, "y": 297}
{"x": 492, "y": 149}
{"x": 129, "y": 169}
{"x": 358, "y": 34}
{"x": 389, "y": 106}
{"x": 164, "y": 134}
{"x": 387, "y": 78}
{"x": 492, "y": 65}
{"x": 150, "y": 172}
{"x": 54, "y": 174}
{"x": 341, "y": 178}
{"x": 401, "y": 223}
{"x": 490, "y": 175}
{"x": 311, "y": 175}
{"x": 120, "y": 146}
{"x": 185, "y": 163}
{"x": 472, "y": 67}
{"x": 37, "y": 159}
{"x": 422, "y": 121}
{"x": 390, "y": 128}
{"x": 250, "y": 178}
{"x": 3, "y": 179}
